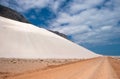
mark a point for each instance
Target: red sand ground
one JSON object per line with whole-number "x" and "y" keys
{"x": 96, "y": 68}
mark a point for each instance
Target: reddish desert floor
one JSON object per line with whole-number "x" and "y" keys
{"x": 96, "y": 68}
{"x": 14, "y": 66}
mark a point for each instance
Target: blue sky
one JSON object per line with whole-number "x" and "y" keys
{"x": 94, "y": 24}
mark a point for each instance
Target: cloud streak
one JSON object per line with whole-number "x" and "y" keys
{"x": 90, "y": 24}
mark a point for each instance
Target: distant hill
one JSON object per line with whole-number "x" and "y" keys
{"x": 12, "y": 14}
{"x": 60, "y": 34}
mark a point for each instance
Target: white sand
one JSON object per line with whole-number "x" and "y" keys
{"x": 21, "y": 40}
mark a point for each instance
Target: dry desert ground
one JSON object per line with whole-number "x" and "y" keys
{"x": 13, "y": 66}
{"x": 94, "y": 68}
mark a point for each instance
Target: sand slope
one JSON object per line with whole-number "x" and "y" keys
{"x": 21, "y": 40}
{"x": 97, "y": 68}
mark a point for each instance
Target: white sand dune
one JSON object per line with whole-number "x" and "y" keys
{"x": 21, "y": 40}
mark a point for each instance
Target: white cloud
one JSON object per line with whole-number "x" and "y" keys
{"x": 106, "y": 27}
{"x": 102, "y": 35}
{"x": 55, "y": 4}
{"x": 91, "y": 26}
{"x": 28, "y": 4}
{"x": 72, "y": 30}
{"x": 78, "y": 5}
{"x": 24, "y": 5}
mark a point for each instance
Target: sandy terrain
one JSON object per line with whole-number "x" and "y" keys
{"x": 13, "y": 66}
{"x": 115, "y": 62}
{"x": 96, "y": 68}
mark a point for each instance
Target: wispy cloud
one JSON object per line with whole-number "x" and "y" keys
{"x": 25, "y": 5}
{"x": 90, "y": 22}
